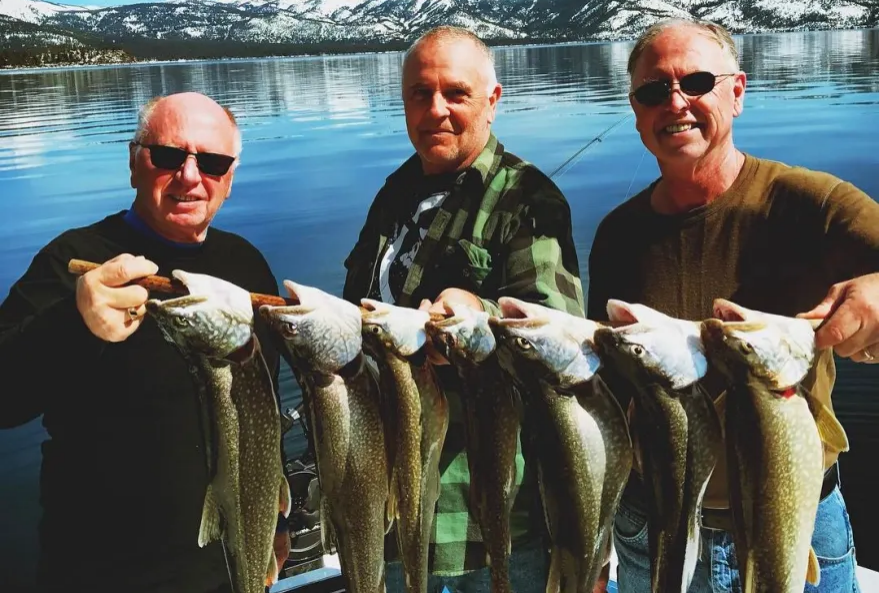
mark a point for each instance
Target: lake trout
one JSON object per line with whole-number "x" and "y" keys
{"x": 322, "y": 334}
{"x": 211, "y": 323}
{"x": 492, "y": 422}
{"x": 580, "y": 435}
{"x": 398, "y": 337}
{"x": 675, "y": 427}
{"x": 776, "y": 433}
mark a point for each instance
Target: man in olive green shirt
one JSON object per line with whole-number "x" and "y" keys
{"x": 721, "y": 223}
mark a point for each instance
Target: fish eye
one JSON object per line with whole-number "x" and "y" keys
{"x": 289, "y": 328}
{"x": 376, "y": 329}
{"x": 183, "y": 321}
{"x": 523, "y": 343}
{"x": 638, "y": 351}
{"x": 745, "y": 348}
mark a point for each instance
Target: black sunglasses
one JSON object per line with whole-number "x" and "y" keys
{"x": 695, "y": 84}
{"x": 172, "y": 158}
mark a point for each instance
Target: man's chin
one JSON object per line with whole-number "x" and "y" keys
{"x": 439, "y": 159}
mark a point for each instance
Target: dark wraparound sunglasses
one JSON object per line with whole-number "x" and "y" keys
{"x": 172, "y": 158}
{"x": 695, "y": 84}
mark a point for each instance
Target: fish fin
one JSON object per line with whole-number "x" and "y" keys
{"x": 210, "y": 529}
{"x": 327, "y": 532}
{"x": 285, "y": 501}
{"x": 813, "y": 570}
{"x": 272, "y": 571}
{"x": 829, "y": 429}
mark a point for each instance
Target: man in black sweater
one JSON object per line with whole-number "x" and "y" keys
{"x": 124, "y": 472}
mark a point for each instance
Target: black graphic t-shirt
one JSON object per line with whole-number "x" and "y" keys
{"x": 404, "y": 242}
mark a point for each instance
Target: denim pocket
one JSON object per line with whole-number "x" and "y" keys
{"x": 630, "y": 525}
{"x": 833, "y": 543}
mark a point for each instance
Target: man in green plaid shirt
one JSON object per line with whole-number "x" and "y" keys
{"x": 465, "y": 221}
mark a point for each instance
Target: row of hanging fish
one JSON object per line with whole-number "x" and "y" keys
{"x": 379, "y": 421}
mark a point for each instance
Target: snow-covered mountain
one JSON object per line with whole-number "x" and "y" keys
{"x": 377, "y": 21}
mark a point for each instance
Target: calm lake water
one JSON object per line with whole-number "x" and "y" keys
{"x": 321, "y": 134}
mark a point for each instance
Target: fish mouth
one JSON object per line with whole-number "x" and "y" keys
{"x": 155, "y": 306}
{"x": 619, "y": 314}
{"x": 514, "y": 314}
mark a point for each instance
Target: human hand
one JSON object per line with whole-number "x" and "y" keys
{"x": 851, "y": 319}
{"x": 441, "y": 306}
{"x": 111, "y": 310}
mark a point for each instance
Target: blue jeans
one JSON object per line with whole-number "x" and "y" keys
{"x": 717, "y": 570}
{"x": 528, "y": 571}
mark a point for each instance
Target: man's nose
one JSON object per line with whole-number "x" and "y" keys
{"x": 189, "y": 172}
{"x": 438, "y": 106}
{"x": 678, "y": 101}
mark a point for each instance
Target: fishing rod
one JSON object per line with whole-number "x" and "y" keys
{"x": 586, "y": 147}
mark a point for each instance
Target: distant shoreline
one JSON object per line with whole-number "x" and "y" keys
{"x": 355, "y": 50}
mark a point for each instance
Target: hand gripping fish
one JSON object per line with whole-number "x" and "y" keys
{"x": 322, "y": 333}
{"x": 579, "y": 431}
{"x": 492, "y": 420}
{"x": 776, "y": 433}
{"x": 397, "y": 336}
{"x": 213, "y": 327}
{"x": 675, "y": 427}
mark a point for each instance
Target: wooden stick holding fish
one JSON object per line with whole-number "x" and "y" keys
{"x": 173, "y": 286}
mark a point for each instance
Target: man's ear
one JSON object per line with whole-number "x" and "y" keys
{"x": 132, "y": 162}
{"x": 739, "y": 83}
{"x": 493, "y": 98}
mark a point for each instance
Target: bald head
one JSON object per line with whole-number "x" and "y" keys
{"x": 178, "y": 107}
{"x": 448, "y": 35}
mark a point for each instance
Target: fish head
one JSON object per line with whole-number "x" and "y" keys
{"x": 321, "y": 331}
{"x": 551, "y": 344}
{"x": 652, "y": 346}
{"x": 463, "y": 336}
{"x": 215, "y": 319}
{"x": 776, "y": 350}
{"x": 398, "y": 330}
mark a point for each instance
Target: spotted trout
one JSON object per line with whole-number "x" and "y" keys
{"x": 776, "y": 433}
{"x": 492, "y": 421}
{"x": 322, "y": 334}
{"x": 580, "y": 435}
{"x": 675, "y": 428}
{"x": 213, "y": 327}
{"x": 397, "y": 336}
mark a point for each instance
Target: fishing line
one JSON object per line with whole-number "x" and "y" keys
{"x": 583, "y": 149}
{"x": 228, "y": 566}
{"x": 635, "y": 174}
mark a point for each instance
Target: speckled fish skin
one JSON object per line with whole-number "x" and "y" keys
{"x": 397, "y": 335}
{"x": 323, "y": 336}
{"x": 677, "y": 431}
{"x": 492, "y": 424}
{"x": 775, "y": 434}
{"x": 207, "y": 325}
{"x": 264, "y": 488}
{"x": 582, "y": 443}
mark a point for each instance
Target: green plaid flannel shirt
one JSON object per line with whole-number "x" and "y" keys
{"x": 504, "y": 230}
